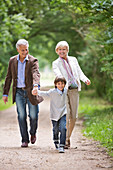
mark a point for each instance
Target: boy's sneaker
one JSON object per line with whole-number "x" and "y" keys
{"x": 57, "y": 146}
{"x": 61, "y": 149}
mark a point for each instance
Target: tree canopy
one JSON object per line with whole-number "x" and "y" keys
{"x": 85, "y": 24}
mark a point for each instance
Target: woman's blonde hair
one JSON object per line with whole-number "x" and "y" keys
{"x": 62, "y": 44}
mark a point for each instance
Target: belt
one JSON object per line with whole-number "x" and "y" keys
{"x": 70, "y": 88}
{"x": 21, "y": 88}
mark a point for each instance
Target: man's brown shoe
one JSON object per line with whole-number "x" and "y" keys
{"x": 24, "y": 145}
{"x": 33, "y": 139}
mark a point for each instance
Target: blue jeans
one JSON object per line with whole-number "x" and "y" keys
{"x": 59, "y": 127}
{"x": 21, "y": 102}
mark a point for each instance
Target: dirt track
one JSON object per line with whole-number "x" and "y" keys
{"x": 42, "y": 155}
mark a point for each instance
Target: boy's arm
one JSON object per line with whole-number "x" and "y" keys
{"x": 44, "y": 93}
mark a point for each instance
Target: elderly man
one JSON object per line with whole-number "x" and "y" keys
{"x": 23, "y": 69}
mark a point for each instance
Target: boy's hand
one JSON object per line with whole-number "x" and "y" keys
{"x": 5, "y": 99}
{"x": 87, "y": 82}
{"x": 35, "y": 91}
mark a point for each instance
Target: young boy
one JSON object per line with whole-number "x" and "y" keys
{"x": 58, "y": 111}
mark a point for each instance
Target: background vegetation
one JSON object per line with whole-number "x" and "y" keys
{"x": 98, "y": 119}
{"x": 87, "y": 26}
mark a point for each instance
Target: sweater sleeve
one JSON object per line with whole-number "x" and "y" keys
{"x": 45, "y": 93}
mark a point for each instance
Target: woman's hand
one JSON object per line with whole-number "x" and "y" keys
{"x": 87, "y": 82}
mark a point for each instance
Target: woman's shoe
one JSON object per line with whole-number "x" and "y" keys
{"x": 67, "y": 145}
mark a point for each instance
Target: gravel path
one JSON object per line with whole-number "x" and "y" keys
{"x": 42, "y": 155}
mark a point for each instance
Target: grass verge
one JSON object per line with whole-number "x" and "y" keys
{"x": 98, "y": 116}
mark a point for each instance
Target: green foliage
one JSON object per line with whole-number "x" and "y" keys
{"x": 98, "y": 116}
{"x": 100, "y": 127}
{"x": 13, "y": 25}
{"x": 85, "y": 24}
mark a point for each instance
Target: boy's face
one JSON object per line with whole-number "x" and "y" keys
{"x": 60, "y": 85}
{"x": 62, "y": 52}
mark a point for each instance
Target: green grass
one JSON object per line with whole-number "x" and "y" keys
{"x": 98, "y": 116}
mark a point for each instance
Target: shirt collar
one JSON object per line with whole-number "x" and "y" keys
{"x": 59, "y": 91}
{"x": 26, "y": 58}
{"x": 64, "y": 59}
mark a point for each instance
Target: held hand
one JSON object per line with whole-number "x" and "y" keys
{"x": 87, "y": 82}
{"x": 35, "y": 91}
{"x": 5, "y": 99}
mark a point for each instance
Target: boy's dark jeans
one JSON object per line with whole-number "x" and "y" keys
{"x": 59, "y": 127}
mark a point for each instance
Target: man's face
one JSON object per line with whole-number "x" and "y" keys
{"x": 62, "y": 52}
{"x": 60, "y": 85}
{"x": 23, "y": 51}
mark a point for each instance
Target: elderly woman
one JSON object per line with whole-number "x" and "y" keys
{"x": 69, "y": 68}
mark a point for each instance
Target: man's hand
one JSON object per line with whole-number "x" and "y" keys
{"x": 88, "y": 82}
{"x": 5, "y": 99}
{"x": 35, "y": 90}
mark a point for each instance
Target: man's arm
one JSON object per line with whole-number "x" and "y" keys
{"x": 7, "y": 84}
{"x": 5, "y": 99}
{"x": 35, "y": 72}
{"x": 36, "y": 77}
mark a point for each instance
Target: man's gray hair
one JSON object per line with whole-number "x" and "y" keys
{"x": 22, "y": 42}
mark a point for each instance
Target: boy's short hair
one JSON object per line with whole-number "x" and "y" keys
{"x": 62, "y": 44}
{"x": 58, "y": 79}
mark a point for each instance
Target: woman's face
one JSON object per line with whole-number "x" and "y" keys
{"x": 62, "y": 52}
